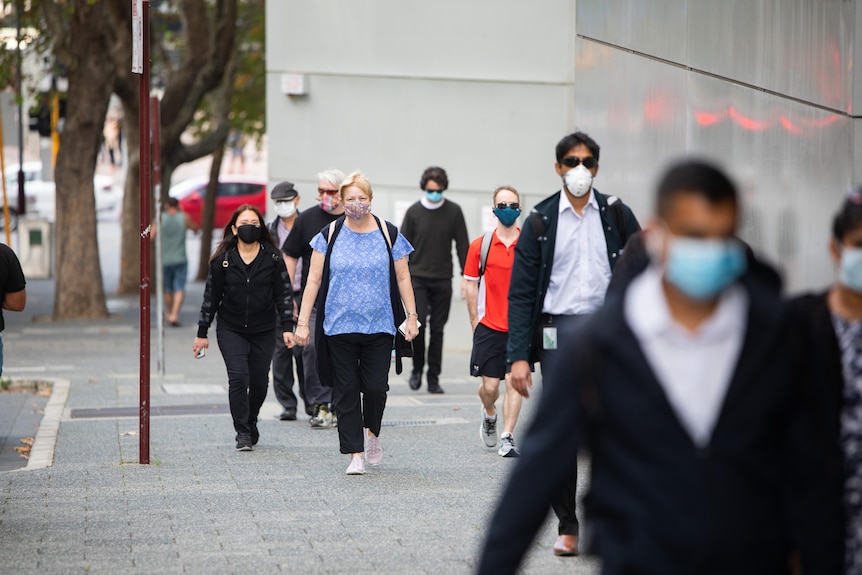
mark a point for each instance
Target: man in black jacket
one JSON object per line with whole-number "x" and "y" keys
{"x": 683, "y": 399}
{"x": 563, "y": 262}
{"x": 286, "y": 199}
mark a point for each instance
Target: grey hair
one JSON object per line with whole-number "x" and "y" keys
{"x": 332, "y": 176}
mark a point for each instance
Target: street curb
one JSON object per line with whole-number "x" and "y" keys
{"x": 42, "y": 452}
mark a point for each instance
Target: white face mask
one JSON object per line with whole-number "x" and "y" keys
{"x": 285, "y": 209}
{"x": 850, "y": 274}
{"x": 578, "y": 180}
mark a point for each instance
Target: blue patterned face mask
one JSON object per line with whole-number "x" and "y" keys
{"x": 850, "y": 272}
{"x": 702, "y": 269}
{"x": 434, "y": 195}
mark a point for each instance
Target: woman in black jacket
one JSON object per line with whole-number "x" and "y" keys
{"x": 247, "y": 279}
{"x": 828, "y": 352}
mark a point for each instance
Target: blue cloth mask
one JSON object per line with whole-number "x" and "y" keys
{"x": 507, "y": 216}
{"x": 434, "y": 196}
{"x": 702, "y": 269}
{"x": 850, "y": 273}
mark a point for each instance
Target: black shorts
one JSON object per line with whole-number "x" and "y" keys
{"x": 489, "y": 352}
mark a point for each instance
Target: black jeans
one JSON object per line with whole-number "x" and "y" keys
{"x": 360, "y": 364}
{"x": 566, "y": 501}
{"x": 246, "y": 357}
{"x": 282, "y": 373}
{"x": 433, "y": 300}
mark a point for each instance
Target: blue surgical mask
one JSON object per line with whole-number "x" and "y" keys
{"x": 507, "y": 216}
{"x": 850, "y": 272}
{"x": 434, "y": 196}
{"x": 702, "y": 269}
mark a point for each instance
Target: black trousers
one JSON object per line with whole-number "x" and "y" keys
{"x": 433, "y": 300}
{"x": 360, "y": 364}
{"x": 565, "y": 503}
{"x": 282, "y": 373}
{"x": 246, "y": 357}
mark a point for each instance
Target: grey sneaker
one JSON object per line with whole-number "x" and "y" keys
{"x": 322, "y": 417}
{"x": 507, "y": 446}
{"x": 488, "y": 430}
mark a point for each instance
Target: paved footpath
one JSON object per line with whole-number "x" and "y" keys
{"x": 85, "y": 504}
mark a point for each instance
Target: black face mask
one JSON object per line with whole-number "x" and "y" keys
{"x": 249, "y": 233}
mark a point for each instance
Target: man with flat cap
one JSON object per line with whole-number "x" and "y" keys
{"x": 286, "y": 199}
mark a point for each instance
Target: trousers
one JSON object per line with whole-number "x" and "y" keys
{"x": 246, "y": 357}
{"x": 283, "y": 359}
{"x": 315, "y": 390}
{"x": 433, "y": 300}
{"x": 360, "y": 364}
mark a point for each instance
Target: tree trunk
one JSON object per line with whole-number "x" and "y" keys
{"x": 130, "y": 242}
{"x": 208, "y": 215}
{"x": 80, "y": 293}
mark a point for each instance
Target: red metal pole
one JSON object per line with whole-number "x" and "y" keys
{"x": 145, "y": 192}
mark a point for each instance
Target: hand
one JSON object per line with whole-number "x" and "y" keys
{"x": 199, "y": 343}
{"x": 301, "y": 335}
{"x": 522, "y": 379}
{"x": 288, "y": 339}
{"x": 412, "y": 328}
{"x": 473, "y": 323}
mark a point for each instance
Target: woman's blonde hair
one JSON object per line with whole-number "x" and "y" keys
{"x": 359, "y": 180}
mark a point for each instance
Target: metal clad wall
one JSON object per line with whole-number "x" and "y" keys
{"x": 790, "y": 153}
{"x": 482, "y": 88}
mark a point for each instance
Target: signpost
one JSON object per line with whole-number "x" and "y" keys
{"x": 141, "y": 65}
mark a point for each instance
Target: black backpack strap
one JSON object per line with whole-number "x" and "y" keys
{"x": 483, "y": 252}
{"x": 399, "y": 314}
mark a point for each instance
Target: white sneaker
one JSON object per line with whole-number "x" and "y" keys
{"x": 356, "y": 467}
{"x": 373, "y": 451}
{"x": 488, "y": 430}
{"x": 322, "y": 417}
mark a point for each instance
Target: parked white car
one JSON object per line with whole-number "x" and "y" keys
{"x": 41, "y": 195}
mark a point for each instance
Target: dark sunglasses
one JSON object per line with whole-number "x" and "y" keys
{"x": 572, "y": 162}
{"x": 504, "y": 205}
{"x": 323, "y": 191}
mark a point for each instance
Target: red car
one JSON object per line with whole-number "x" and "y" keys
{"x": 233, "y": 191}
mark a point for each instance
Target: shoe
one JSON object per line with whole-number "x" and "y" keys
{"x": 175, "y": 323}
{"x": 434, "y": 387}
{"x": 566, "y": 546}
{"x": 334, "y": 420}
{"x": 255, "y": 434}
{"x": 356, "y": 467}
{"x": 288, "y": 415}
{"x": 243, "y": 442}
{"x": 322, "y": 417}
{"x": 488, "y": 430}
{"x": 373, "y": 451}
{"x": 415, "y": 380}
{"x": 507, "y": 446}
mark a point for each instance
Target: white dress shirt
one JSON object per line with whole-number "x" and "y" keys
{"x": 580, "y": 272}
{"x": 693, "y": 368}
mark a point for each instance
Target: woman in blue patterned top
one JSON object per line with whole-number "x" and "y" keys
{"x": 353, "y": 277}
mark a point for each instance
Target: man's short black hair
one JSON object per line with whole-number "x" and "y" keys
{"x": 698, "y": 177}
{"x": 172, "y": 202}
{"x": 437, "y": 175}
{"x": 572, "y": 140}
{"x": 849, "y": 217}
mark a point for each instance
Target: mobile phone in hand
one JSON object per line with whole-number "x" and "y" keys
{"x": 201, "y": 353}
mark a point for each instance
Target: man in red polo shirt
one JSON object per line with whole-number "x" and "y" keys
{"x": 488, "y": 278}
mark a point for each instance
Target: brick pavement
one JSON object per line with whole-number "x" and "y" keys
{"x": 201, "y": 507}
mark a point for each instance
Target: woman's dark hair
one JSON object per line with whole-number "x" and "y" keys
{"x": 437, "y": 175}
{"x": 697, "y": 177}
{"x": 849, "y": 217}
{"x": 572, "y": 140}
{"x": 229, "y": 240}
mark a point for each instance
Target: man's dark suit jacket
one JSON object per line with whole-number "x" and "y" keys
{"x": 657, "y": 503}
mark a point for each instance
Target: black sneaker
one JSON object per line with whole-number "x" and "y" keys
{"x": 255, "y": 434}
{"x": 288, "y": 415}
{"x": 415, "y": 380}
{"x": 243, "y": 442}
{"x": 434, "y": 385}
